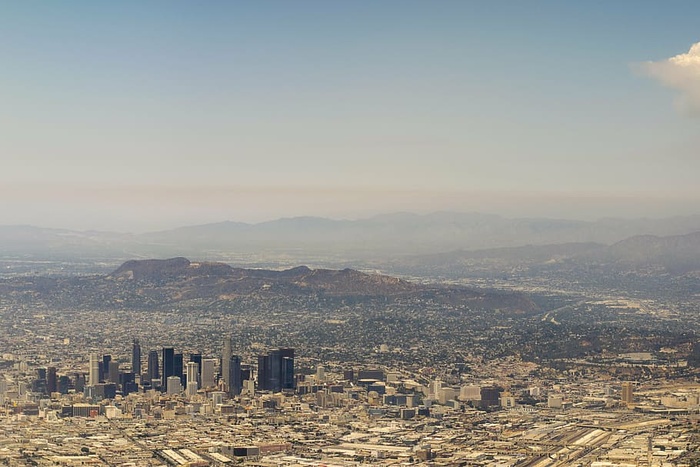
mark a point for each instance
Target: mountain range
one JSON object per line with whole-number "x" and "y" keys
{"x": 677, "y": 254}
{"x": 339, "y": 242}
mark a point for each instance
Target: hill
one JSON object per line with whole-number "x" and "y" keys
{"x": 178, "y": 283}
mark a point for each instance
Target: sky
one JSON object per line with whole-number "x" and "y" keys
{"x": 136, "y": 116}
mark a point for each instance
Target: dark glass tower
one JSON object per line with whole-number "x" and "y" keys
{"x": 104, "y": 368}
{"x": 235, "y": 381}
{"x": 153, "y": 365}
{"x": 178, "y": 368}
{"x": 263, "y": 372}
{"x": 136, "y": 358}
{"x": 128, "y": 383}
{"x": 274, "y": 380}
{"x": 63, "y": 384}
{"x": 168, "y": 363}
{"x": 287, "y": 373}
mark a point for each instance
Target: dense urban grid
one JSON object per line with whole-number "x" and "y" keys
{"x": 318, "y": 380}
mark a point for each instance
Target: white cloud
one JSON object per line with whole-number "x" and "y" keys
{"x": 681, "y": 73}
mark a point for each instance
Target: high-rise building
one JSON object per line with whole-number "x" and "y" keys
{"x": 79, "y": 382}
{"x": 174, "y": 385}
{"x": 191, "y": 375}
{"x": 51, "y": 380}
{"x": 208, "y": 373}
{"x": 104, "y": 374}
{"x": 136, "y": 358}
{"x": 94, "y": 370}
{"x": 275, "y": 376}
{"x": 627, "y": 393}
{"x": 113, "y": 373}
{"x": 168, "y": 363}
{"x": 63, "y": 384}
{"x": 225, "y": 360}
{"x": 39, "y": 384}
{"x": 276, "y": 370}
{"x": 246, "y": 372}
{"x": 153, "y": 365}
{"x": 235, "y": 381}
{"x": 128, "y": 383}
{"x": 263, "y": 372}
{"x": 490, "y": 396}
{"x": 287, "y": 368}
{"x": 197, "y": 358}
{"x": 178, "y": 368}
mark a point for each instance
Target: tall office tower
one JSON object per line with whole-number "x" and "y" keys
{"x": 246, "y": 372}
{"x": 263, "y": 372}
{"x": 236, "y": 383}
{"x": 287, "y": 368}
{"x": 191, "y": 375}
{"x": 94, "y": 371}
{"x": 63, "y": 384}
{"x": 136, "y": 358}
{"x": 174, "y": 386}
{"x": 79, "y": 382}
{"x": 178, "y": 368}
{"x": 275, "y": 377}
{"x": 168, "y": 362}
{"x": 197, "y": 358}
{"x": 113, "y": 373}
{"x": 128, "y": 383}
{"x": 153, "y": 365}
{"x": 105, "y": 367}
{"x": 226, "y": 360}
{"x": 39, "y": 384}
{"x": 627, "y": 393}
{"x": 208, "y": 374}
{"x": 51, "y": 380}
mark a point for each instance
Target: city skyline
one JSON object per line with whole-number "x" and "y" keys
{"x": 137, "y": 117}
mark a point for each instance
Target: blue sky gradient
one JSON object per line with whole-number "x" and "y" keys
{"x": 140, "y": 115}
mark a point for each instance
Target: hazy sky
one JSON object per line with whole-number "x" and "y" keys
{"x": 133, "y": 115}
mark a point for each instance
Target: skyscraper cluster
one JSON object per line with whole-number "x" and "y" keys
{"x": 276, "y": 370}
{"x": 167, "y": 371}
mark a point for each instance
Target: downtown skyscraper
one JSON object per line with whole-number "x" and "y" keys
{"x": 136, "y": 358}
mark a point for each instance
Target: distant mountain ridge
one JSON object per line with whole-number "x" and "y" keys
{"x": 675, "y": 253}
{"x": 335, "y": 241}
{"x": 647, "y": 264}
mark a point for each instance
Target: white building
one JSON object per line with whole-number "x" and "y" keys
{"x": 174, "y": 386}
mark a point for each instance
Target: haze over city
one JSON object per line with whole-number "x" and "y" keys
{"x": 344, "y": 233}
{"x": 142, "y": 116}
